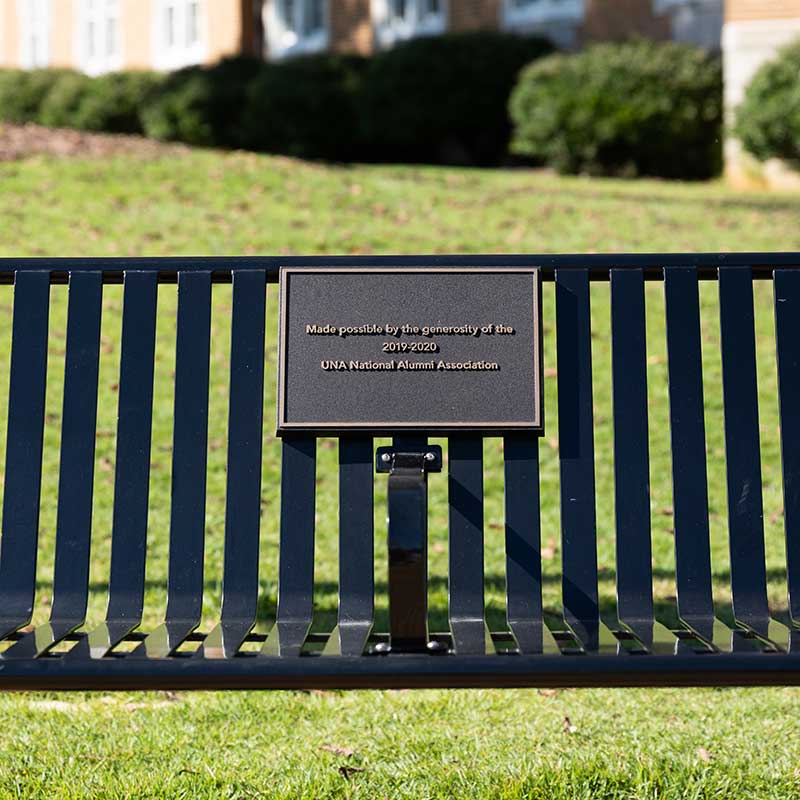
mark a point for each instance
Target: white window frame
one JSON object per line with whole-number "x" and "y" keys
{"x": 98, "y": 57}
{"x": 537, "y": 12}
{"x": 390, "y": 30}
{"x": 35, "y": 22}
{"x": 180, "y": 52}
{"x": 283, "y": 40}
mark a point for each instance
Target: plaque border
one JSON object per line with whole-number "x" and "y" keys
{"x": 535, "y": 425}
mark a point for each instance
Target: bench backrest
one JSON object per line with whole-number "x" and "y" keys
{"x": 247, "y": 428}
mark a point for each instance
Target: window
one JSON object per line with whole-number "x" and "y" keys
{"x": 525, "y": 13}
{"x": 697, "y": 22}
{"x": 396, "y": 20}
{"x": 34, "y": 16}
{"x": 296, "y": 26}
{"x": 178, "y": 40}
{"x": 99, "y": 41}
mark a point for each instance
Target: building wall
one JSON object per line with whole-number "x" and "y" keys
{"x": 351, "y": 26}
{"x": 469, "y": 15}
{"x": 9, "y": 43}
{"x": 228, "y": 27}
{"x": 737, "y": 10}
{"x": 754, "y": 31}
{"x": 62, "y": 33}
{"x": 137, "y": 34}
{"x": 614, "y": 20}
{"x": 224, "y": 26}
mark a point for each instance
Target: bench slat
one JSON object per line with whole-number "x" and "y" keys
{"x": 296, "y": 567}
{"x": 787, "y": 335}
{"x": 189, "y": 457}
{"x": 131, "y": 481}
{"x": 742, "y": 449}
{"x": 687, "y": 427}
{"x": 356, "y": 545}
{"x": 631, "y": 455}
{"x": 243, "y": 495}
{"x": 523, "y": 542}
{"x": 78, "y": 427}
{"x": 78, "y": 431}
{"x": 576, "y": 453}
{"x": 465, "y": 570}
{"x": 23, "y": 472}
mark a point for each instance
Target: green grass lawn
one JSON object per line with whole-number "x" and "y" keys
{"x": 624, "y": 744}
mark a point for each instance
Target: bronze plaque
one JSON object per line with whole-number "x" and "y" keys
{"x": 409, "y": 349}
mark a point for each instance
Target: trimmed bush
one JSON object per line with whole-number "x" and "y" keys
{"x": 306, "y": 107}
{"x": 114, "y": 102}
{"x": 444, "y": 98}
{"x": 768, "y": 120}
{"x": 23, "y": 91}
{"x": 202, "y": 105}
{"x": 60, "y": 105}
{"x": 638, "y": 108}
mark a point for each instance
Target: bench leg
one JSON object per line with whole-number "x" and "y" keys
{"x": 408, "y": 464}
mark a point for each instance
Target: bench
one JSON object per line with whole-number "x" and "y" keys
{"x": 584, "y": 647}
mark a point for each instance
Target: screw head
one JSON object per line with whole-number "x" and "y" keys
{"x": 386, "y": 458}
{"x": 430, "y": 456}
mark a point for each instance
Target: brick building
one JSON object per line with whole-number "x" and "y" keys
{"x": 103, "y": 35}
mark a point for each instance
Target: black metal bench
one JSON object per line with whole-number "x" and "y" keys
{"x": 633, "y": 648}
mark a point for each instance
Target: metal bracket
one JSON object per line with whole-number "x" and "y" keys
{"x": 408, "y": 469}
{"x": 426, "y": 459}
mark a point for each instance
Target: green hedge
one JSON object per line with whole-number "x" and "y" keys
{"x": 635, "y": 108}
{"x": 115, "y": 102}
{"x": 60, "y": 106}
{"x": 768, "y": 120}
{"x": 639, "y": 108}
{"x": 67, "y": 99}
{"x": 306, "y": 107}
{"x": 22, "y": 92}
{"x": 202, "y": 105}
{"x": 444, "y": 98}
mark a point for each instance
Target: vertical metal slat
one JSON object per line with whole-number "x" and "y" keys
{"x": 523, "y": 545}
{"x": 742, "y": 450}
{"x": 23, "y": 472}
{"x": 787, "y": 335}
{"x": 465, "y": 582}
{"x": 576, "y": 452}
{"x": 687, "y": 428}
{"x": 356, "y": 546}
{"x": 243, "y": 496}
{"x": 132, "y": 478}
{"x": 632, "y": 461}
{"x": 76, "y": 476}
{"x": 296, "y": 566}
{"x": 189, "y": 459}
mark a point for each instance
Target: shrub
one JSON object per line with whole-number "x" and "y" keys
{"x": 444, "y": 98}
{"x": 638, "y": 108}
{"x": 768, "y": 120}
{"x": 23, "y": 91}
{"x": 306, "y": 107}
{"x": 114, "y": 102}
{"x": 59, "y": 107}
{"x": 202, "y": 105}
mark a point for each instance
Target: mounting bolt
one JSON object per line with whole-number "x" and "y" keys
{"x": 386, "y": 458}
{"x": 430, "y": 456}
